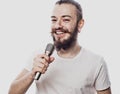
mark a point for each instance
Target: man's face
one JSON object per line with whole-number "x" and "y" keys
{"x": 64, "y": 23}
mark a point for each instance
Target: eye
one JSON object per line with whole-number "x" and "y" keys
{"x": 66, "y": 20}
{"x": 53, "y": 20}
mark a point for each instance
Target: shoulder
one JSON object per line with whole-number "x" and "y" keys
{"x": 92, "y": 57}
{"x": 90, "y": 54}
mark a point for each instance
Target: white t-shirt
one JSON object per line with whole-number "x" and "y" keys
{"x": 83, "y": 74}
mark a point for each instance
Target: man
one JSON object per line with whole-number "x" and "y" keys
{"x": 74, "y": 70}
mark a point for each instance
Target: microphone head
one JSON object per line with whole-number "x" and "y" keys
{"x": 49, "y": 49}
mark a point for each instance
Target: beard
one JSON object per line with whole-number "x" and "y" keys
{"x": 65, "y": 44}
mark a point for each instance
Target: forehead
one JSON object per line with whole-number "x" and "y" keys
{"x": 64, "y": 9}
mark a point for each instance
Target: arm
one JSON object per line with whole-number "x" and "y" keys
{"x": 106, "y": 91}
{"x": 102, "y": 83}
{"x": 21, "y": 83}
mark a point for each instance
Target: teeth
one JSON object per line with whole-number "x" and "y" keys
{"x": 59, "y": 32}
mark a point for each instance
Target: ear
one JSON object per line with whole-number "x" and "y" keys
{"x": 80, "y": 25}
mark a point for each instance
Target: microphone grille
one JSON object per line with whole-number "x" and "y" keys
{"x": 49, "y": 48}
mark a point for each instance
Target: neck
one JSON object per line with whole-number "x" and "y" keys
{"x": 70, "y": 52}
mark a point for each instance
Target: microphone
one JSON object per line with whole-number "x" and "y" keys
{"x": 48, "y": 51}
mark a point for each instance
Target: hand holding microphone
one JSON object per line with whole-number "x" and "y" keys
{"x": 41, "y": 62}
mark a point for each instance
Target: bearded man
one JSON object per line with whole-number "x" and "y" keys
{"x": 75, "y": 70}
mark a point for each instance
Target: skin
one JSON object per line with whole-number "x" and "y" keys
{"x": 23, "y": 81}
{"x": 64, "y": 16}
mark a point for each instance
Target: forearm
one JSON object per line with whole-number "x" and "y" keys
{"x": 20, "y": 86}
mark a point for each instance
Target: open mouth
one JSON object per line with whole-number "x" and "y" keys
{"x": 59, "y": 32}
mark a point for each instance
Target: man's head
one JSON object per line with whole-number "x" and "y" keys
{"x": 67, "y": 21}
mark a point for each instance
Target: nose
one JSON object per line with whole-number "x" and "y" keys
{"x": 58, "y": 24}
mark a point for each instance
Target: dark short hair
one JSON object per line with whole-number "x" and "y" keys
{"x": 76, "y": 4}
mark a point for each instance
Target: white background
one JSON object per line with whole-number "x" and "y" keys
{"x": 25, "y": 27}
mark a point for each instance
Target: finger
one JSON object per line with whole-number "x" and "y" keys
{"x": 41, "y": 69}
{"x": 39, "y": 60}
{"x": 44, "y": 70}
{"x": 41, "y": 63}
{"x": 45, "y": 57}
{"x": 51, "y": 59}
{"x": 36, "y": 69}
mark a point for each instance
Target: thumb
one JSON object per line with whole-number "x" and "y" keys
{"x": 51, "y": 59}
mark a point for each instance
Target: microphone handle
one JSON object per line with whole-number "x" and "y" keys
{"x": 37, "y": 76}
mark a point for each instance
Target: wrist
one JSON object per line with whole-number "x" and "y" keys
{"x": 31, "y": 75}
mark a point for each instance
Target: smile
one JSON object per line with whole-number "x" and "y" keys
{"x": 58, "y": 33}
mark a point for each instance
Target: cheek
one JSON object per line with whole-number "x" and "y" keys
{"x": 70, "y": 29}
{"x": 70, "y": 26}
{"x": 52, "y": 27}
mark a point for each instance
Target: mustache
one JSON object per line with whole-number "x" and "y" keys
{"x": 60, "y": 30}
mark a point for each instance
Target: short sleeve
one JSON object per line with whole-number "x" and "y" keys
{"x": 102, "y": 81}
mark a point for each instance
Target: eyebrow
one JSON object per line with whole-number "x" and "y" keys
{"x": 62, "y": 16}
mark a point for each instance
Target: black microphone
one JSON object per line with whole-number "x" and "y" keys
{"x": 48, "y": 51}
